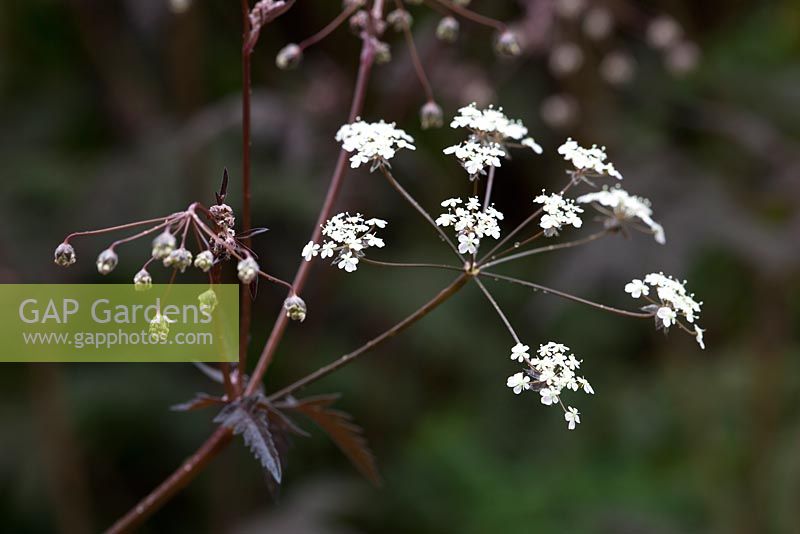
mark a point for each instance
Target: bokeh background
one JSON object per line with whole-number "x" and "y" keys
{"x": 124, "y": 110}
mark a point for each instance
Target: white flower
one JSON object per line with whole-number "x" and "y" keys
{"x": 247, "y": 270}
{"x": 491, "y": 132}
{"x": 374, "y": 142}
{"x": 637, "y": 288}
{"x": 587, "y": 387}
{"x": 699, "y": 336}
{"x": 573, "y": 417}
{"x": 348, "y": 262}
{"x": 470, "y": 223}
{"x": 475, "y": 157}
{"x": 518, "y": 382}
{"x": 588, "y": 159}
{"x": 549, "y": 396}
{"x": 625, "y": 207}
{"x": 533, "y": 145}
{"x": 348, "y": 236}
{"x": 310, "y": 250}
{"x": 519, "y": 352}
{"x": 667, "y": 316}
{"x": 558, "y": 212}
{"x": 468, "y": 243}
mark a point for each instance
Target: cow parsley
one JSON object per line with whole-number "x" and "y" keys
{"x": 624, "y": 207}
{"x": 549, "y": 373}
{"x": 588, "y": 160}
{"x": 375, "y": 142}
{"x": 348, "y": 237}
{"x": 670, "y": 301}
{"x": 491, "y": 133}
{"x": 470, "y": 222}
{"x": 558, "y": 212}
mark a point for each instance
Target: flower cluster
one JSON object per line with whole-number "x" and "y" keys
{"x": 673, "y": 302}
{"x": 374, "y": 142}
{"x": 348, "y": 237}
{"x": 491, "y": 132}
{"x": 550, "y": 372}
{"x": 558, "y": 212}
{"x": 592, "y": 160}
{"x": 624, "y": 207}
{"x": 470, "y": 222}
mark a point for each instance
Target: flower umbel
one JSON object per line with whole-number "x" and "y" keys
{"x": 624, "y": 207}
{"x": 588, "y": 161}
{"x": 348, "y": 237}
{"x": 470, "y": 222}
{"x": 558, "y": 212}
{"x": 491, "y": 133}
{"x": 673, "y": 302}
{"x": 375, "y": 142}
{"x": 550, "y": 372}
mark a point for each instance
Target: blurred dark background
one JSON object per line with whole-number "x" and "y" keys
{"x": 125, "y": 110}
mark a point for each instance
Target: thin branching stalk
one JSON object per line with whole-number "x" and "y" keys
{"x": 489, "y": 185}
{"x": 549, "y": 248}
{"x": 410, "y": 199}
{"x": 415, "y": 60}
{"x": 350, "y": 357}
{"x": 412, "y": 265}
{"x": 497, "y": 308}
{"x": 330, "y": 27}
{"x": 568, "y": 296}
{"x": 246, "y": 303}
{"x": 473, "y": 16}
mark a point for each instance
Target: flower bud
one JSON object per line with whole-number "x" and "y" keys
{"x": 163, "y": 244}
{"x": 295, "y": 308}
{"x": 64, "y": 255}
{"x": 179, "y": 258}
{"x": 400, "y": 19}
{"x": 383, "y": 54}
{"x": 431, "y": 116}
{"x": 247, "y": 270}
{"x": 159, "y": 327}
{"x": 447, "y": 30}
{"x": 204, "y": 261}
{"x": 142, "y": 281}
{"x": 107, "y": 261}
{"x": 359, "y": 21}
{"x": 208, "y": 301}
{"x": 223, "y": 216}
{"x": 289, "y": 57}
{"x": 507, "y": 44}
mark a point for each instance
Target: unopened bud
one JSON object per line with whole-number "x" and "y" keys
{"x": 159, "y": 327}
{"x": 289, "y": 57}
{"x": 295, "y": 308}
{"x": 247, "y": 270}
{"x": 163, "y": 244}
{"x": 142, "y": 281}
{"x": 431, "y": 115}
{"x": 447, "y": 29}
{"x": 64, "y": 255}
{"x": 179, "y": 258}
{"x": 208, "y": 301}
{"x": 107, "y": 261}
{"x": 359, "y": 21}
{"x": 204, "y": 261}
{"x": 400, "y": 19}
{"x": 664, "y": 32}
{"x": 383, "y": 54}
{"x": 507, "y": 44}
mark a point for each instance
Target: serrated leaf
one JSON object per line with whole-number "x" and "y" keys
{"x": 201, "y": 400}
{"x": 244, "y": 416}
{"x": 345, "y": 434}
